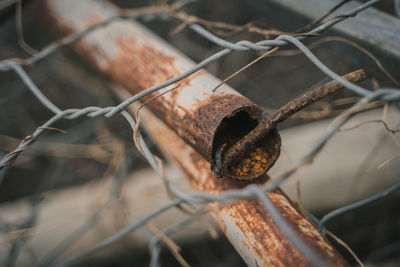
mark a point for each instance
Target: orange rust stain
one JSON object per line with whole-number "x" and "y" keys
{"x": 186, "y": 83}
{"x": 297, "y": 220}
{"x": 139, "y": 67}
{"x": 256, "y": 224}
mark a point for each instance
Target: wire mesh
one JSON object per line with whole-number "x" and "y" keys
{"x": 383, "y": 96}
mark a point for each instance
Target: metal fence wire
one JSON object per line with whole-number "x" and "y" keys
{"x": 36, "y": 169}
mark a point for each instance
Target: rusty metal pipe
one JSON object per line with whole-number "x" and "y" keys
{"x": 246, "y": 223}
{"x": 137, "y": 59}
{"x": 226, "y": 128}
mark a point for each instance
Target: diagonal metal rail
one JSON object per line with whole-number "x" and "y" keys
{"x": 137, "y": 59}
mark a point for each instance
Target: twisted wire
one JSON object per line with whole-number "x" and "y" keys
{"x": 251, "y": 191}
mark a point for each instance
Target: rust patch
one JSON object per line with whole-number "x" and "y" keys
{"x": 143, "y": 66}
{"x": 261, "y": 236}
{"x": 258, "y": 226}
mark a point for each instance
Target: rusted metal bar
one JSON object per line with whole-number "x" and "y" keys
{"x": 225, "y": 128}
{"x": 246, "y": 223}
{"x": 137, "y": 59}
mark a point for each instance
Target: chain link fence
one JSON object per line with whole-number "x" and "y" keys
{"x": 80, "y": 170}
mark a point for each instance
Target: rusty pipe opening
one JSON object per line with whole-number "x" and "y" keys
{"x": 256, "y": 151}
{"x": 257, "y": 159}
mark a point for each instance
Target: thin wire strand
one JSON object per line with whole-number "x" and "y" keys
{"x": 356, "y": 205}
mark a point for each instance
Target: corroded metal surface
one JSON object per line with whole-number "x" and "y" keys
{"x": 137, "y": 59}
{"x": 246, "y": 223}
{"x": 268, "y": 124}
{"x": 225, "y": 128}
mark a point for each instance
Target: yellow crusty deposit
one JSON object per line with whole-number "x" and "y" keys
{"x": 253, "y": 163}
